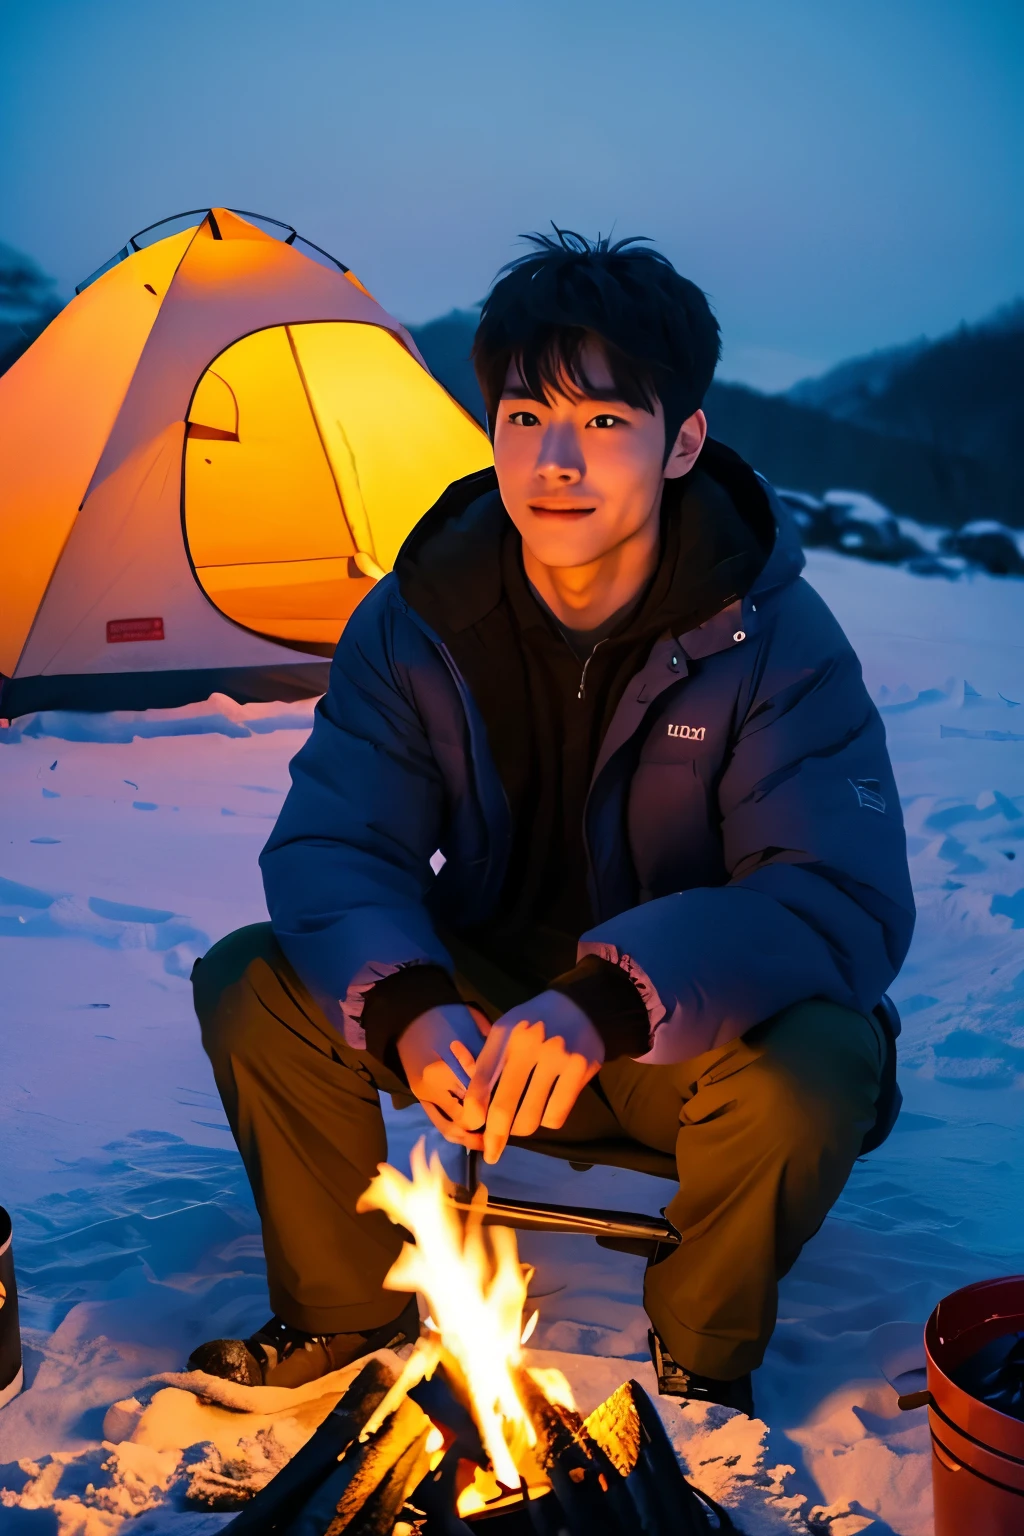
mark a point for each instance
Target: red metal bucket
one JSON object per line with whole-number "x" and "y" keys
{"x": 977, "y": 1452}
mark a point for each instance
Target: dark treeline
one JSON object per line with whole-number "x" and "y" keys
{"x": 27, "y": 304}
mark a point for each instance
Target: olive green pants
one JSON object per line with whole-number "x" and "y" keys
{"x": 761, "y": 1133}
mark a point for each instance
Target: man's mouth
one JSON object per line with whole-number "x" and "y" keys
{"x": 560, "y": 510}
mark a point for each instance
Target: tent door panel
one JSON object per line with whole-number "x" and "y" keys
{"x": 312, "y": 451}
{"x": 263, "y": 518}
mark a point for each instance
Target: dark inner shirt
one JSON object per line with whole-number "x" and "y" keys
{"x": 574, "y": 680}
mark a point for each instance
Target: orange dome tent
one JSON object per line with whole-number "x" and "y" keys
{"x": 206, "y": 460}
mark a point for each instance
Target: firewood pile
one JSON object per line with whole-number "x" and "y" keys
{"x": 613, "y": 1473}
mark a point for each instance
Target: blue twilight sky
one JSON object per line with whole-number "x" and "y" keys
{"x": 837, "y": 174}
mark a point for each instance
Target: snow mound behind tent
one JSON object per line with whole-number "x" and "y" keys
{"x": 127, "y": 844}
{"x": 218, "y": 715}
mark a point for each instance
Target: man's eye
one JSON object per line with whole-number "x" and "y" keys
{"x": 605, "y": 420}
{"x": 524, "y": 419}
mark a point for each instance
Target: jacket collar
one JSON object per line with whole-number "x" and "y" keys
{"x": 741, "y": 620}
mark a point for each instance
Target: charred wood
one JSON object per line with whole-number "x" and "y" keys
{"x": 663, "y": 1499}
{"x": 284, "y": 1496}
{"x": 581, "y": 1475}
{"x": 442, "y": 1400}
{"x": 362, "y": 1468}
{"x": 377, "y": 1515}
{"x": 617, "y": 1472}
{"x": 434, "y": 1501}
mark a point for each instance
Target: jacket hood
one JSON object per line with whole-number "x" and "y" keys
{"x": 449, "y": 568}
{"x": 787, "y": 559}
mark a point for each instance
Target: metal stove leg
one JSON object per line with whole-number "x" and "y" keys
{"x": 472, "y": 1170}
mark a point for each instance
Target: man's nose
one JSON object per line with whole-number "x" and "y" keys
{"x": 560, "y": 461}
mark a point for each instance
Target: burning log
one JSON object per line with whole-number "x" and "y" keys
{"x": 395, "y": 1462}
{"x": 615, "y": 1426}
{"x": 615, "y": 1472}
{"x": 583, "y": 1479}
{"x": 362, "y": 1491}
{"x": 630, "y": 1431}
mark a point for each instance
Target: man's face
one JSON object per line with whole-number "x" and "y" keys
{"x": 582, "y": 474}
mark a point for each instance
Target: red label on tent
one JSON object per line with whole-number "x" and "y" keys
{"x": 134, "y": 629}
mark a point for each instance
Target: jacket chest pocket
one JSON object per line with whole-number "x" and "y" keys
{"x": 672, "y": 821}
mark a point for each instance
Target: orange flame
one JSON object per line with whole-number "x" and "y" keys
{"x": 475, "y": 1289}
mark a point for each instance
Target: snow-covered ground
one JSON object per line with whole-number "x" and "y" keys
{"x": 127, "y": 845}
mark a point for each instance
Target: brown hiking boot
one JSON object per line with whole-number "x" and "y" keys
{"x": 280, "y": 1356}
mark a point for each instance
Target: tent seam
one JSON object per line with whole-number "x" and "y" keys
{"x": 320, "y": 436}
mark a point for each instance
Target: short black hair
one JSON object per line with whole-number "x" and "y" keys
{"x": 657, "y": 329}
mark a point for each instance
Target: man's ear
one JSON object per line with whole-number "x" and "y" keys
{"x": 687, "y": 446}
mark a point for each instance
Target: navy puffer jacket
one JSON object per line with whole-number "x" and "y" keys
{"x": 745, "y": 762}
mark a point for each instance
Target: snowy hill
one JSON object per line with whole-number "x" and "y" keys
{"x": 964, "y": 392}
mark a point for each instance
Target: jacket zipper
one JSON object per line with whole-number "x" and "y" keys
{"x": 583, "y": 675}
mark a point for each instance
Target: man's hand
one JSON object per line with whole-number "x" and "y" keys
{"x": 438, "y": 1052}
{"x": 536, "y": 1061}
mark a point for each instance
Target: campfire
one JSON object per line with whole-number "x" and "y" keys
{"x": 465, "y": 1431}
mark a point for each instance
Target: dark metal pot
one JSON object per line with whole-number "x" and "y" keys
{"x": 12, "y": 1376}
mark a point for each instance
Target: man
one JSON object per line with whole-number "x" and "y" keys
{"x": 594, "y": 765}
